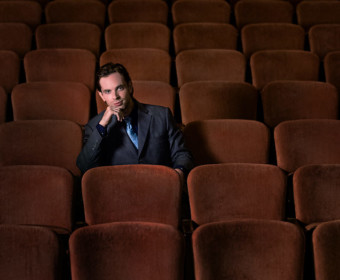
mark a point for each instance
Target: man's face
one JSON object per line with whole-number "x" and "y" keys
{"x": 115, "y": 92}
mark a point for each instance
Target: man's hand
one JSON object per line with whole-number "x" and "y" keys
{"x": 109, "y": 112}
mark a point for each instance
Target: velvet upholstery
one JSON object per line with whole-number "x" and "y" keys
{"x": 28, "y": 12}
{"x": 126, "y": 251}
{"x": 28, "y": 252}
{"x": 36, "y": 195}
{"x": 210, "y": 64}
{"x": 310, "y": 13}
{"x": 16, "y": 36}
{"x": 229, "y": 191}
{"x": 248, "y": 249}
{"x": 324, "y": 38}
{"x": 332, "y": 66}
{"x": 51, "y": 100}
{"x": 204, "y": 36}
{"x": 73, "y": 65}
{"x": 149, "y": 92}
{"x": 227, "y": 141}
{"x": 273, "y": 65}
{"x": 249, "y": 11}
{"x": 137, "y": 35}
{"x": 143, "y": 63}
{"x": 204, "y": 100}
{"x": 146, "y": 193}
{"x": 316, "y": 193}
{"x": 77, "y": 35}
{"x": 76, "y": 11}
{"x": 3, "y": 105}
{"x": 9, "y": 69}
{"x": 272, "y": 36}
{"x": 291, "y": 100}
{"x": 139, "y": 11}
{"x": 302, "y": 142}
{"x": 41, "y": 142}
{"x": 185, "y": 11}
{"x": 326, "y": 249}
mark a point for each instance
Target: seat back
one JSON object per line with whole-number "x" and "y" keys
{"x": 145, "y": 193}
{"x": 292, "y": 100}
{"x": 127, "y": 251}
{"x": 3, "y": 105}
{"x": 227, "y": 141}
{"x": 51, "y": 100}
{"x": 205, "y": 100}
{"x": 255, "y": 249}
{"x": 273, "y": 65}
{"x": 302, "y": 142}
{"x": 41, "y": 142}
{"x": 9, "y": 70}
{"x": 37, "y": 195}
{"x": 236, "y": 191}
{"x": 331, "y": 67}
{"x": 72, "y": 65}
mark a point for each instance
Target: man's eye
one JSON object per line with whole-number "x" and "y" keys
{"x": 107, "y": 91}
{"x": 120, "y": 87}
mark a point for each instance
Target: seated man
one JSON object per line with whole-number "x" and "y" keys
{"x": 129, "y": 132}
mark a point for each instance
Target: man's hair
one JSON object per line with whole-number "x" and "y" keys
{"x": 109, "y": 69}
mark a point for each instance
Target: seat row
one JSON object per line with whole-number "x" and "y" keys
{"x": 307, "y": 13}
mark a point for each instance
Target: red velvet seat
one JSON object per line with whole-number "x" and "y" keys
{"x": 51, "y": 100}
{"x": 143, "y": 193}
{"x": 28, "y": 253}
{"x": 204, "y": 36}
{"x": 302, "y": 142}
{"x": 28, "y": 12}
{"x": 51, "y": 65}
{"x": 291, "y": 100}
{"x": 186, "y": 11}
{"x": 217, "y": 100}
{"x": 326, "y": 248}
{"x": 227, "y": 141}
{"x": 9, "y": 70}
{"x": 138, "y": 11}
{"x": 137, "y": 35}
{"x": 15, "y": 36}
{"x": 143, "y": 64}
{"x": 273, "y": 65}
{"x": 324, "y": 38}
{"x": 332, "y": 65}
{"x": 272, "y": 36}
{"x": 251, "y": 249}
{"x": 41, "y": 142}
{"x": 37, "y": 195}
{"x": 89, "y": 11}
{"x": 149, "y": 92}
{"x": 310, "y": 13}
{"x": 3, "y": 105}
{"x": 127, "y": 250}
{"x": 77, "y": 35}
{"x": 248, "y": 11}
{"x": 222, "y": 192}
{"x": 316, "y": 193}
{"x": 210, "y": 65}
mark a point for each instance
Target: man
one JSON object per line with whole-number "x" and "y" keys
{"x": 155, "y": 137}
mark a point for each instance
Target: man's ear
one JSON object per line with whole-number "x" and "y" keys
{"x": 101, "y": 95}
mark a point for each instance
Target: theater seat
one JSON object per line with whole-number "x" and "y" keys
{"x": 273, "y": 65}
{"x": 331, "y": 66}
{"x": 252, "y": 249}
{"x": 28, "y": 252}
{"x": 230, "y": 191}
{"x": 41, "y": 142}
{"x": 291, "y": 100}
{"x": 9, "y": 70}
{"x": 3, "y": 105}
{"x": 51, "y": 100}
{"x": 144, "y": 193}
{"x": 127, "y": 250}
{"x": 227, "y": 141}
{"x": 37, "y": 195}
{"x": 203, "y": 100}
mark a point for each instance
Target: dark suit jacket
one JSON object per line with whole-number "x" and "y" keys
{"x": 159, "y": 140}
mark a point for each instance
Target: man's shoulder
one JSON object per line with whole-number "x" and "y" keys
{"x": 153, "y": 109}
{"x": 95, "y": 120}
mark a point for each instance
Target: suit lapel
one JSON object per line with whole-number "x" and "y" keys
{"x": 144, "y": 120}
